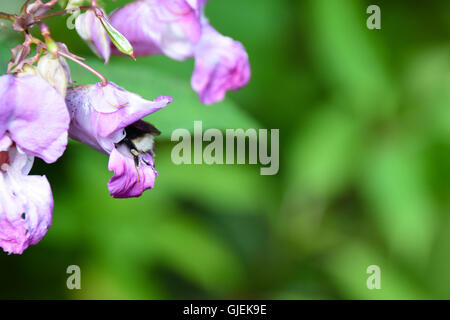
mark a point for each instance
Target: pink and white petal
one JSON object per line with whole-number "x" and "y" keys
{"x": 101, "y": 130}
{"x": 6, "y": 101}
{"x": 26, "y": 206}
{"x": 129, "y": 180}
{"x": 41, "y": 120}
{"x": 136, "y": 109}
{"x": 94, "y": 34}
{"x": 107, "y": 98}
{"x": 221, "y": 64}
{"x": 138, "y": 22}
{"x": 159, "y": 27}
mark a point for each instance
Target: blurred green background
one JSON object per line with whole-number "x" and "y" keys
{"x": 364, "y": 119}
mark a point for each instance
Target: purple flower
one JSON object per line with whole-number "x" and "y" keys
{"x": 108, "y": 118}
{"x": 221, "y": 64}
{"x": 178, "y": 29}
{"x": 26, "y": 202}
{"x": 33, "y": 122}
{"x": 94, "y": 34}
{"x": 159, "y": 27}
{"x": 34, "y": 115}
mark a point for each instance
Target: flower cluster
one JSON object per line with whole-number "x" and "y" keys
{"x": 40, "y": 107}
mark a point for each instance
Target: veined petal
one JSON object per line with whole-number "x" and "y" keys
{"x": 138, "y": 108}
{"x": 159, "y": 27}
{"x": 101, "y": 111}
{"x": 35, "y": 115}
{"x": 138, "y": 23}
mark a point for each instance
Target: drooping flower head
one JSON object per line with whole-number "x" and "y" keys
{"x": 221, "y": 64}
{"x": 33, "y": 122}
{"x": 179, "y": 30}
{"x": 34, "y": 115}
{"x": 108, "y": 118}
{"x": 159, "y": 27}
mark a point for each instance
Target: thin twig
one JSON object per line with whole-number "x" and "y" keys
{"x": 7, "y": 16}
{"x": 98, "y": 74}
{"x": 61, "y": 13}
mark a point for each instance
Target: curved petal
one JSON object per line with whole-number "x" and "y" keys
{"x": 106, "y": 131}
{"x": 26, "y": 205}
{"x": 159, "y": 27}
{"x": 130, "y": 180}
{"x": 138, "y": 23}
{"x": 38, "y": 119}
{"x": 221, "y": 64}
{"x": 99, "y": 112}
{"x": 138, "y": 108}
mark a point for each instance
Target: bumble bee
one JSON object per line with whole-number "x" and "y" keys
{"x": 139, "y": 139}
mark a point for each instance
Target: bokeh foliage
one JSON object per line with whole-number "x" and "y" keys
{"x": 364, "y": 119}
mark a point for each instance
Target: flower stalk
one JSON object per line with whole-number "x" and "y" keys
{"x": 62, "y": 12}
{"x": 84, "y": 65}
{"x": 7, "y": 16}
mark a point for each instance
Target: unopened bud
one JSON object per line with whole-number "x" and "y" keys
{"x": 27, "y": 70}
{"x": 18, "y": 54}
{"x": 55, "y": 71}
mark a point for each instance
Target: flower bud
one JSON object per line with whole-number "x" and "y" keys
{"x": 27, "y": 70}
{"x": 18, "y": 54}
{"x": 55, "y": 71}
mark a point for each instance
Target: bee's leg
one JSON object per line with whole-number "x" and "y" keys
{"x": 134, "y": 152}
{"x": 136, "y": 162}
